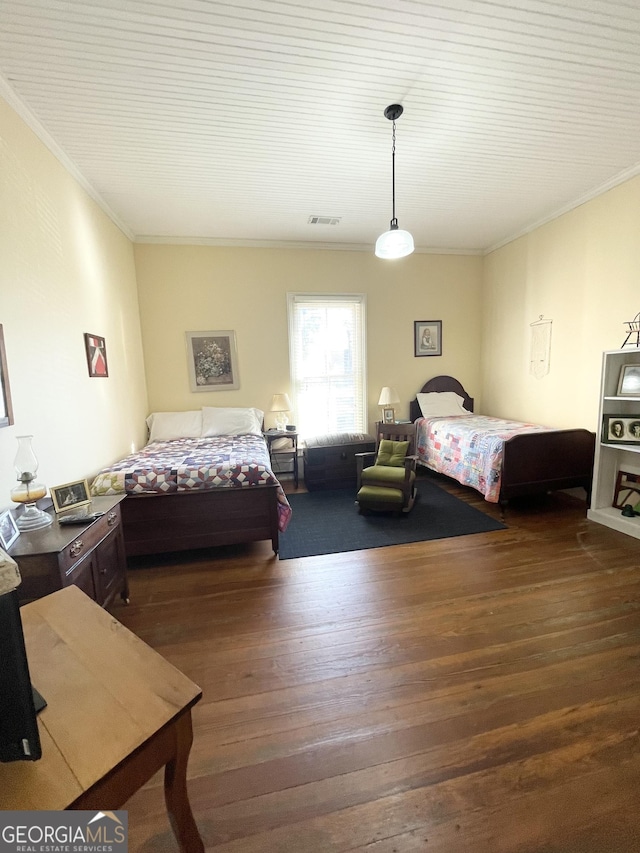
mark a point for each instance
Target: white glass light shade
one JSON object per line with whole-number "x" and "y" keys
{"x": 394, "y": 243}
{"x": 388, "y": 396}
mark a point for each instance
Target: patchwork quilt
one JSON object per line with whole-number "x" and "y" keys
{"x": 468, "y": 448}
{"x": 162, "y": 467}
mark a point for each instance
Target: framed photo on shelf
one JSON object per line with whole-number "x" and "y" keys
{"x": 627, "y": 490}
{"x": 70, "y": 495}
{"x": 621, "y": 429}
{"x": 8, "y": 529}
{"x": 96, "y": 350}
{"x": 629, "y": 382}
{"x": 427, "y": 337}
{"x": 212, "y": 361}
{"x": 388, "y": 415}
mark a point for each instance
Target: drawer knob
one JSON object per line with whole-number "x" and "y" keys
{"x": 76, "y": 547}
{"x": 343, "y": 455}
{"x": 112, "y": 518}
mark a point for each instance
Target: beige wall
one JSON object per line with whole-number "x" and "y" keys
{"x": 66, "y": 269}
{"x": 582, "y": 272}
{"x": 199, "y": 288}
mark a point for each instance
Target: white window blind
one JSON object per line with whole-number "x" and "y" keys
{"x": 327, "y": 362}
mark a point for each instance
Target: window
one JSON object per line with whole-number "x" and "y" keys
{"x": 327, "y": 358}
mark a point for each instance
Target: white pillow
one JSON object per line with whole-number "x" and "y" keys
{"x": 164, "y": 426}
{"x": 223, "y": 421}
{"x": 441, "y": 404}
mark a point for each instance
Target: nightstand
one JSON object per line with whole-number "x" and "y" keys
{"x": 288, "y": 452}
{"x": 89, "y": 556}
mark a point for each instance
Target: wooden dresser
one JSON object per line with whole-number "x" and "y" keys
{"x": 91, "y": 556}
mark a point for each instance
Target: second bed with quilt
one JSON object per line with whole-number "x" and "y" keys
{"x": 499, "y": 458}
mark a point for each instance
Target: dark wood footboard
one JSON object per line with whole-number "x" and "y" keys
{"x": 539, "y": 462}
{"x": 153, "y": 524}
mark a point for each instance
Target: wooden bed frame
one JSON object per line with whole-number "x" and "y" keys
{"x": 533, "y": 463}
{"x": 153, "y": 523}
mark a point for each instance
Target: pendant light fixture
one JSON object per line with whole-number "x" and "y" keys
{"x": 394, "y": 243}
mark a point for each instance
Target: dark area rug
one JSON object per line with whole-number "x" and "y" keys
{"x": 328, "y": 522}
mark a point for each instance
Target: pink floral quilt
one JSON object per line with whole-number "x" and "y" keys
{"x": 229, "y": 461}
{"x": 468, "y": 448}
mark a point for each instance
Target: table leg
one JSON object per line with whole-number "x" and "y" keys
{"x": 175, "y": 790}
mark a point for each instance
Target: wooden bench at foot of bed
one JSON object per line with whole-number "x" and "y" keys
{"x": 181, "y": 521}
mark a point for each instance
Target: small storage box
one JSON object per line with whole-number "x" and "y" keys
{"x": 330, "y": 460}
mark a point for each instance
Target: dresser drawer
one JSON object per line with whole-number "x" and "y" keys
{"x": 88, "y": 537}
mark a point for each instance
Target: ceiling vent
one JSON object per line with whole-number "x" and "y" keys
{"x": 324, "y": 220}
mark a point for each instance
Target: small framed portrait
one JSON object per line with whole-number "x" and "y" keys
{"x": 629, "y": 382}
{"x": 620, "y": 429}
{"x": 70, "y": 495}
{"x": 212, "y": 361}
{"x": 8, "y": 530}
{"x": 96, "y": 350}
{"x": 427, "y": 337}
{"x": 388, "y": 415}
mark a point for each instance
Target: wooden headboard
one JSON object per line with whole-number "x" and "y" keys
{"x": 437, "y": 385}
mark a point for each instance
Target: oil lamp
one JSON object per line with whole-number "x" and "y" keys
{"x": 28, "y": 491}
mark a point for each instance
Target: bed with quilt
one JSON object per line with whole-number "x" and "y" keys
{"x": 203, "y": 479}
{"x": 501, "y": 459}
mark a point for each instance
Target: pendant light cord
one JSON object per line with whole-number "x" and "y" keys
{"x": 393, "y": 177}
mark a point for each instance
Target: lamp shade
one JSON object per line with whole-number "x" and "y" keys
{"x": 395, "y": 243}
{"x": 280, "y": 403}
{"x": 388, "y": 396}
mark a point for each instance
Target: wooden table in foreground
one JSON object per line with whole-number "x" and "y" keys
{"x": 117, "y": 713}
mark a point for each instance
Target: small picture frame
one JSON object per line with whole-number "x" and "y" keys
{"x": 388, "y": 415}
{"x": 70, "y": 495}
{"x": 6, "y": 410}
{"x": 212, "y": 361}
{"x": 620, "y": 429}
{"x": 96, "y": 351}
{"x": 427, "y": 337}
{"x": 8, "y": 529}
{"x": 627, "y": 490}
{"x": 629, "y": 382}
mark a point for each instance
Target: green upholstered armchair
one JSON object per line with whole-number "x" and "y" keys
{"x": 386, "y": 477}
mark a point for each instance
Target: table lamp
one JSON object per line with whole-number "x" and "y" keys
{"x": 281, "y": 404}
{"x": 388, "y": 399}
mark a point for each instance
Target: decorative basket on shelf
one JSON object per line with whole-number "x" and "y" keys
{"x": 633, "y": 328}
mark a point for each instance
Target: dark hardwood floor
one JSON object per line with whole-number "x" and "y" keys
{"x": 480, "y": 693}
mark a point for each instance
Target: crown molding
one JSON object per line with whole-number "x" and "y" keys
{"x": 285, "y": 244}
{"x": 43, "y": 135}
{"x": 618, "y": 179}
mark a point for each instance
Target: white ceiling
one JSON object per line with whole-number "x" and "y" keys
{"x": 238, "y": 120}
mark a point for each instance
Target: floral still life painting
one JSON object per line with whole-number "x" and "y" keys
{"x": 212, "y": 361}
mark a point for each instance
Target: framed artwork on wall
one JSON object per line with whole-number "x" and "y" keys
{"x": 6, "y": 411}
{"x": 212, "y": 361}
{"x": 427, "y": 337}
{"x": 96, "y": 350}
